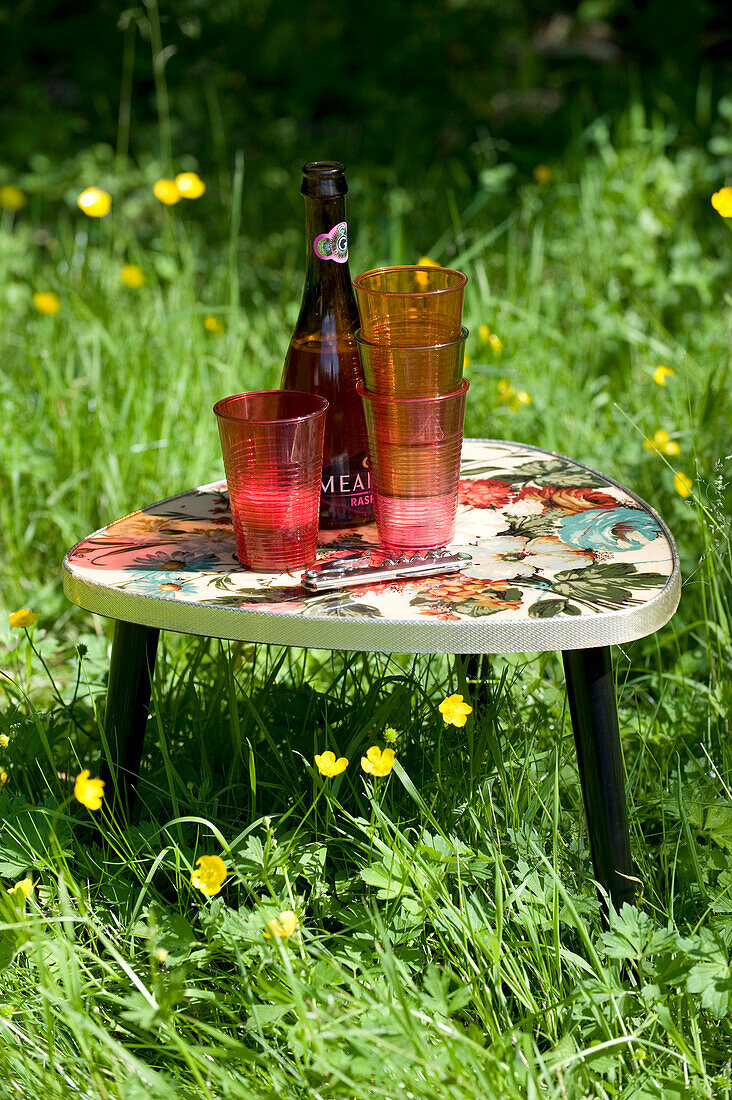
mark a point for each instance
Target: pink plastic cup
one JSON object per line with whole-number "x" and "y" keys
{"x": 410, "y": 306}
{"x": 412, "y": 372}
{"x": 414, "y": 450}
{"x": 272, "y": 443}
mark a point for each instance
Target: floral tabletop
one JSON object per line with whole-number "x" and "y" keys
{"x": 549, "y": 540}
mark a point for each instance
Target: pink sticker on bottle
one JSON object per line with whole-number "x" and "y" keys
{"x": 333, "y": 245}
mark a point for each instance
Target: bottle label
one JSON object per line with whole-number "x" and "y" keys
{"x": 347, "y": 485}
{"x": 333, "y": 245}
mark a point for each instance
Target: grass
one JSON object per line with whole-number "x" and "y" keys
{"x": 450, "y": 942}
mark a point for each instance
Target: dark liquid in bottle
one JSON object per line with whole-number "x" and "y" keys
{"x": 332, "y": 369}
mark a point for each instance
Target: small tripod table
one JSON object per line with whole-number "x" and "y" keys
{"x": 562, "y": 558}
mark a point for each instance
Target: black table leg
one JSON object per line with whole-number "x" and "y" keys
{"x": 476, "y": 667}
{"x": 128, "y": 695}
{"x": 593, "y": 708}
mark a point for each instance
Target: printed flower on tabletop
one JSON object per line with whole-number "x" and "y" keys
{"x": 454, "y": 710}
{"x": 154, "y": 582}
{"x": 722, "y": 201}
{"x": 25, "y": 887}
{"x": 661, "y": 373}
{"x": 214, "y": 325}
{"x": 510, "y": 557}
{"x": 209, "y": 875}
{"x": 132, "y": 276}
{"x": 570, "y": 500}
{"x": 621, "y": 528}
{"x": 189, "y": 185}
{"x": 485, "y": 493}
{"x": 94, "y": 202}
{"x": 183, "y": 561}
{"x": 283, "y": 926}
{"x": 440, "y": 613}
{"x": 89, "y": 792}
{"x": 542, "y": 173}
{"x": 166, "y": 192}
{"x": 23, "y": 619}
{"x": 683, "y": 484}
{"x": 11, "y": 197}
{"x": 661, "y": 443}
{"x": 327, "y": 764}
{"x": 46, "y": 302}
{"x": 376, "y": 762}
{"x": 472, "y": 590}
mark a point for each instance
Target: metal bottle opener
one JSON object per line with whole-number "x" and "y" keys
{"x": 378, "y": 564}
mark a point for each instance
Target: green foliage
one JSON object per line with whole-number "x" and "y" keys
{"x": 449, "y": 940}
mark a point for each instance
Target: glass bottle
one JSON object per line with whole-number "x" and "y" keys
{"x": 323, "y": 354}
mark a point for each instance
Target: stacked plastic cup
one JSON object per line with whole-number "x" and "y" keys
{"x": 412, "y": 346}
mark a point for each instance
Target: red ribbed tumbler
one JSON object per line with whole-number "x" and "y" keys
{"x": 414, "y": 451}
{"x": 272, "y": 443}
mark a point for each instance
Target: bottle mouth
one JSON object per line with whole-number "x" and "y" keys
{"x": 324, "y": 178}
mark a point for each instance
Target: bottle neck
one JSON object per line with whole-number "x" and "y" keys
{"x": 326, "y": 241}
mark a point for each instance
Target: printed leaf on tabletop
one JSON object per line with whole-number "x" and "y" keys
{"x": 530, "y": 527}
{"x": 274, "y": 596}
{"x": 555, "y": 471}
{"x": 600, "y": 585}
{"x": 548, "y": 609}
{"x": 340, "y": 605}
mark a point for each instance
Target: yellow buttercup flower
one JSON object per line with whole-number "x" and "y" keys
{"x": 484, "y": 333}
{"x": 46, "y": 302}
{"x": 11, "y": 197}
{"x": 3, "y": 778}
{"x": 167, "y": 192}
{"x": 282, "y": 926}
{"x": 376, "y": 762}
{"x": 683, "y": 484}
{"x": 189, "y": 185}
{"x": 421, "y": 277}
{"x": 94, "y": 202}
{"x": 25, "y": 887}
{"x": 454, "y": 711}
{"x": 496, "y": 343}
{"x": 513, "y": 398}
{"x": 132, "y": 275}
{"x": 327, "y": 764}
{"x": 661, "y": 373}
{"x": 661, "y": 443}
{"x": 23, "y": 619}
{"x": 209, "y": 875}
{"x": 4, "y": 740}
{"x": 542, "y": 173}
{"x": 214, "y": 324}
{"x": 89, "y": 792}
{"x": 467, "y": 360}
{"x": 722, "y": 202}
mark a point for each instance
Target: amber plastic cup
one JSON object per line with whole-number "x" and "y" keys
{"x": 410, "y": 306}
{"x": 414, "y": 451}
{"x": 272, "y": 443}
{"x": 412, "y": 372}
